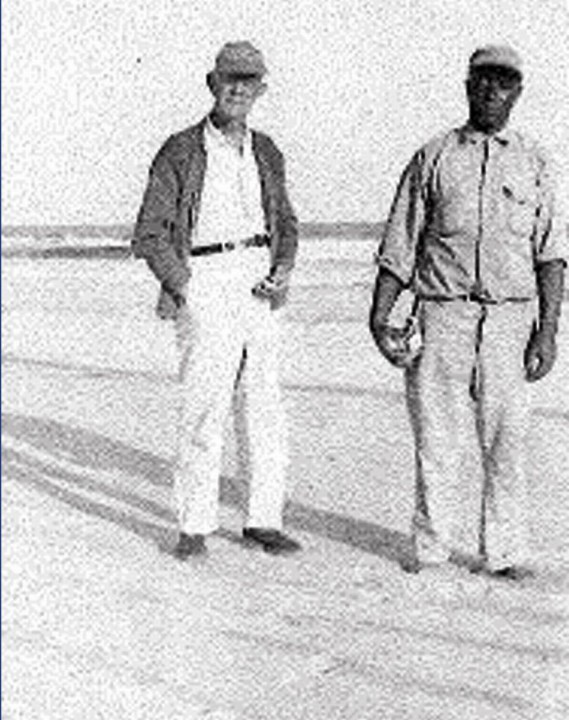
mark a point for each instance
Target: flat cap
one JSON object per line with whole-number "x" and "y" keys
{"x": 497, "y": 56}
{"x": 240, "y": 58}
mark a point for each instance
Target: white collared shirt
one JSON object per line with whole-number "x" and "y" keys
{"x": 230, "y": 207}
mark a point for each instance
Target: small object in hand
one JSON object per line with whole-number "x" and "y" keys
{"x": 401, "y": 346}
{"x": 266, "y": 288}
{"x": 413, "y": 337}
{"x": 532, "y": 366}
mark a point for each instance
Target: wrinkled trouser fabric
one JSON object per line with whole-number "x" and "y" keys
{"x": 222, "y": 319}
{"x": 448, "y": 425}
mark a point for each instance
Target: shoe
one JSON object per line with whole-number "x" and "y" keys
{"x": 414, "y": 566}
{"x": 515, "y": 573}
{"x": 411, "y": 565}
{"x": 189, "y": 546}
{"x": 477, "y": 566}
{"x": 427, "y": 557}
{"x": 273, "y": 541}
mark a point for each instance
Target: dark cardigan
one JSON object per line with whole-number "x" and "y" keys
{"x": 171, "y": 203}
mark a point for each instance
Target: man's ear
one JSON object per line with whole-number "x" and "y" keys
{"x": 518, "y": 91}
{"x": 210, "y": 82}
{"x": 261, "y": 90}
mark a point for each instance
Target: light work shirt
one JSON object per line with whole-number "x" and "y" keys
{"x": 230, "y": 207}
{"x": 474, "y": 213}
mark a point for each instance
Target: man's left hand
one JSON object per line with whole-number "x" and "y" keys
{"x": 540, "y": 354}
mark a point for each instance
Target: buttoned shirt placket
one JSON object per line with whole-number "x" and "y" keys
{"x": 236, "y": 175}
{"x": 479, "y": 293}
{"x": 478, "y": 289}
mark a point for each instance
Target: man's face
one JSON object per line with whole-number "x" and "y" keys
{"x": 236, "y": 94}
{"x": 492, "y": 93}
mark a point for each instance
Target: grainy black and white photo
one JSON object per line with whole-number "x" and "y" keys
{"x": 285, "y": 360}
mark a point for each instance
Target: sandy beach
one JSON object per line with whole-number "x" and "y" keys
{"x": 100, "y": 621}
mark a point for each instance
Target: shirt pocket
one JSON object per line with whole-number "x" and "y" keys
{"x": 519, "y": 208}
{"x": 458, "y": 212}
{"x": 454, "y": 198}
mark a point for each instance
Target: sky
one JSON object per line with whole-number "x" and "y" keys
{"x": 91, "y": 89}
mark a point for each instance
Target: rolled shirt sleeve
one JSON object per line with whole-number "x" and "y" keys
{"x": 398, "y": 247}
{"x": 551, "y": 240}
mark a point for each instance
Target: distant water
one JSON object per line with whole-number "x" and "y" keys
{"x": 118, "y": 232}
{"x": 113, "y": 241}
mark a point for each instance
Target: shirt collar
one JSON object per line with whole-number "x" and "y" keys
{"x": 468, "y": 134}
{"x": 215, "y": 138}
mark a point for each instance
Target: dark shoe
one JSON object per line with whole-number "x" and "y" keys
{"x": 414, "y": 566}
{"x": 189, "y": 546}
{"x": 515, "y": 573}
{"x": 477, "y": 566}
{"x": 272, "y": 541}
{"x": 411, "y": 564}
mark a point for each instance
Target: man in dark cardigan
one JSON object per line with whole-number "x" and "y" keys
{"x": 218, "y": 231}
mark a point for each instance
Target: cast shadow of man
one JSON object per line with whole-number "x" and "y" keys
{"x": 131, "y": 487}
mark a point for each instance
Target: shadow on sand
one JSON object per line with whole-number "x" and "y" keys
{"x": 108, "y": 479}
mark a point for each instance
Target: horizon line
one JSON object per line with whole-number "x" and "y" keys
{"x": 363, "y": 229}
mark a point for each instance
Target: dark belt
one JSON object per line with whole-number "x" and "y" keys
{"x": 473, "y": 297}
{"x": 253, "y": 241}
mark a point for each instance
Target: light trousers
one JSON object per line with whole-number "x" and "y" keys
{"x": 449, "y": 426}
{"x": 225, "y": 335}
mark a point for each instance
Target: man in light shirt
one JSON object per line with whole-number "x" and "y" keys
{"x": 474, "y": 232}
{"x": 217, "y": 229}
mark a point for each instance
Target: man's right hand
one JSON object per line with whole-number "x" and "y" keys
{"x": 179, "y": 299}
{"x": 393, "y": 344}
{"x": 179, "y": 295}
{"x": 388, "y": 339}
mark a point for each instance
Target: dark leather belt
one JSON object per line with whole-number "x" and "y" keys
{"x": 253, "y": 241}
{"x": 473, "y": 297}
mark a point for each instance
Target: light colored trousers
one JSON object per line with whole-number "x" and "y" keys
{"x": 222, "y": 319}
{"x": 449, "y": 426}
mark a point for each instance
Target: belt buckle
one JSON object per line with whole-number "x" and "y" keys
{"x": 255, "y": 241}
{"x": 479, "y": 295}
{"x": 246, "y": 243}
{"x": 259, "y": 240}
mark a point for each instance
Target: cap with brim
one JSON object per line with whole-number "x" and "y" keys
{"x": 240, "y": 59}
{"x": 500, "y": 56}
